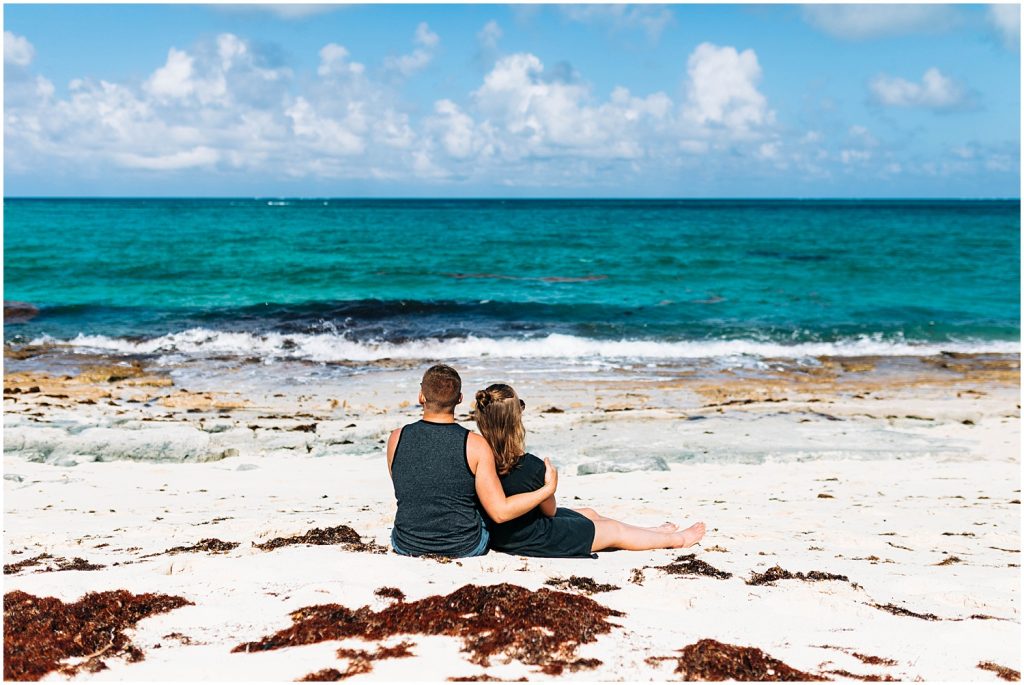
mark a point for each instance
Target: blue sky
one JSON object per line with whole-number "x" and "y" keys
{"x": 521, "y": 100}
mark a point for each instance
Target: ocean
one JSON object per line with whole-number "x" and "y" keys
{"x": 341, "y": 280}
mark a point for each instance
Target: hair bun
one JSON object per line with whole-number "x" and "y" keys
{"x": 483, "y": 398}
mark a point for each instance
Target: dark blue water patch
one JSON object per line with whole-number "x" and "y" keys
{"x": 400, "y": 321}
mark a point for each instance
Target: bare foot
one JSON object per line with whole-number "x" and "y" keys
{"x": 666, "y": 527}
{"x": 691, "y": 536}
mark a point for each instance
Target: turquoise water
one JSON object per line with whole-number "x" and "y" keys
{"x": 330, "y": 279}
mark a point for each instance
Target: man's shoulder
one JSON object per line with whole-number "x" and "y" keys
{"x": 476, "y": 441}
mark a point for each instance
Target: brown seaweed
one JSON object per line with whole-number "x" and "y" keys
{"x": 337, "y": 535}
{"x": 483, "y": 678}
{"x": 711, "y": 660}
{"x": 900, "y": 611}
{"x": 778, "y": 573}
{"x": 582, "y": 583}
{"x": 41, "y": 632}
{"x": 690, "y": 565}
{"x": 212, "y": 545}
{"x": 59, "y": 564}
{"x": 870, "y": 678}
{"x": 18, "y": 566}
{"x": 1001, "y": 671}
{"x": 537, "y": 628}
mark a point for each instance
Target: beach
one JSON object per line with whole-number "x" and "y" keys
{"x": 863, "y": 515}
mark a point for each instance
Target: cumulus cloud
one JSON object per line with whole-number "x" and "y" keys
{"x": 861, "y": 22}
{"x": 935, "y": 91}
{"x": 426, "y": 42}
{"x": 723, "y": 88}
{"x": 228, "y": 106}
{"x": 536, "y": 113}
{"x": 1005, "y": 19}
{"x": 17, "y": 50}
{"x": 651, "y": 19}
{"x": 334, "y": 62}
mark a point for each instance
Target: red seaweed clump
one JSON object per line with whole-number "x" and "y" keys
{"x": 327, "y": 675}
{"x": 41, "y": 632}
{"x": 359, "y": 661}
{"x": 390, "y": 593}
{"x": 338, "y": 535}
{"x": 1001, "y": 671}
{"x": 690, "y": 565}
{"x": 874, "y": 660}
{"x": 778, "y": 573}
{"x": 537, "y": 628}
{"x": 713, "y": 660}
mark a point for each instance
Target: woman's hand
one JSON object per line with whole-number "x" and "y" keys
{"x": 550, "y": 476}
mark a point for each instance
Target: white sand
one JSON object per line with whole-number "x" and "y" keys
{"x": 953, "y": 478}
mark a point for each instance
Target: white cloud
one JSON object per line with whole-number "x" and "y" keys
{"x": 650, "y": 18}
{"x": 407, "y": 65}
{"x": 532, "y": 113}
{"x": 174, "y": 79}
{"x": 489, "y": 36}
{"x": 1005, "y": 19}
{"x": 861, "y": 135}
{"x": 334, "y": 62}
{"x": 935, "y": 91}
{"x": 289, "y": 11}
{"x": 859, "y": 22}
{"x": 325, "y": 134}
{"x": 850, "y": 156}
{"x": 17, "y": 50}
{"x": 197, "y": 157}
{"x": 723, "y": 88}
{"x": 426, "y": 37}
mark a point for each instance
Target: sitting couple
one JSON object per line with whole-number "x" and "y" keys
{"x": 460, "y": 493}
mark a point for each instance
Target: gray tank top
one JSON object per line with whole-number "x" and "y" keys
{"x": 438, "y": 510}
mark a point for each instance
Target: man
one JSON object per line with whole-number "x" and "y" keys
{"x": 443, "y": 473}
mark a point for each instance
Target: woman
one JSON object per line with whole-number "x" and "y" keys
{"x": 548, "y": 530}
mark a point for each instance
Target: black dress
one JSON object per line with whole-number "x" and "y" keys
{"x": 566, "y": 534}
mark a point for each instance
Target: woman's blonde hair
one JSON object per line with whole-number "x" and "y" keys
{"x": 499, "y": 415}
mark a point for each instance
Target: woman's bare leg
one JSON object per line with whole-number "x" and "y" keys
{"x": 610, "y": 534}
{"x": 594, "y": 516}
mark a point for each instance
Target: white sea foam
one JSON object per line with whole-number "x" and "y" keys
{"x": 330, "y": 347}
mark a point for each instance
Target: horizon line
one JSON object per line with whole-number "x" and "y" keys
{"x": 502, "y": 198}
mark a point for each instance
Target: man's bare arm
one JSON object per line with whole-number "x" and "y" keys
{"x": 392, "y": 445}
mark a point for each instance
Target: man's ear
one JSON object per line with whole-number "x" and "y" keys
{"x": 459, "y": 401}
{"x": 421, "y": 399}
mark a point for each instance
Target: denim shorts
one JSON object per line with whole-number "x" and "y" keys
{"x": 480, "y": 550}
